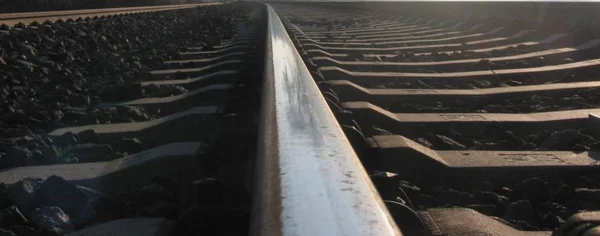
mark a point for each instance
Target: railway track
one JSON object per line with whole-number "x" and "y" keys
{"x": 466, "y": 126}
{"x": 297, "y": 119}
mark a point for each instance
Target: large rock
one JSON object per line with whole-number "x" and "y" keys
{"x": 132, "y": 113}
{"x": 484, "y": 186}
{"x": 533, "y": 189}
{"x": 56, "y": 191}
{"x": 124, "y": 92}
{"x": 23, "y": 193}
{"x": 5, "y": 200}
{"x": 98, "y": 209}
{"x": 73, "y": 115}
{"x": 386, "y": 184}
{"x": 586, "y": 194}
{"x": 18, "y": 156}
{"x": 154, "y": 90}
{"x": 453, "y": 196}
{"x": 52, "y": 220}
{"x": 411, "y": 190}
{"x": 520, "y": 211}
{"x": 90, "y": 152}
{"x": 171, "y": 184}
{"x": 66, "y": 139}
{"x": 492, "y": 198}
{"x": 561, "y": 140}
{"x": 130, "y": 145}
{"x": 88, "y": 136}
{"x": 153, "y": 193}
{"x": 39, "y": 158}
{"x": 444, "y": 142}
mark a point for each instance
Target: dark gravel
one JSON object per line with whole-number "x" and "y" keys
{"x": 582, "y": 31}
{"x": 498, "y": 137}
{"x": 12, "y": 6}
{"x": 86, "y": 63}
{"x": 485, "y": 64}
{"x": 587, "y": 98}
{"x": 53, "y": 75}
{"x": 532, "y": 204}
{"x": 442, "y": 55}
{"x": 54, "y": 206}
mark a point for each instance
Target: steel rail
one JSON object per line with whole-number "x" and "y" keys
{"x": 309, "y": 180}
{"x": 29, "y": 17}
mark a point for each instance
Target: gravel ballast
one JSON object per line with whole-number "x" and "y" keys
{"x": 54, "y": 75}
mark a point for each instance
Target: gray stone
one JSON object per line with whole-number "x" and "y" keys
{"x": 586, "y": 194}
{"x": 559, "y": 140}
{"x": 56, "y": 191}
{"x": 492, "y": 198}
{"x": 485, "y": 186}
{"x": 152, "y": 193}
{"x": 14, "y": 116}
{"x": 123, "y": 92}
{"x": 533, "y": 189}
{"x": 520, "y": 211}
{"x": 130, "y": 145}
{"x": 67, "y": 139}
{"x": 425, "y": 143}
{"x": 52, "y": 219}
{"x": 88, "y": 136}
{"x": 39, "y": 158}
{"x": 18, "y": 156}
{"x": 449, "y": 143}
{"x": 73, "y": 115}
{"x": 132, "y": 113}
{"x": 453, "y": 196}
{"x": 410, "y": 189}
{"x": 91, "y": 152}
{"x": 23, "y": 193}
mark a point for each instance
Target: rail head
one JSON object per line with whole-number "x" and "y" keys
{"x": 309, "y": 181}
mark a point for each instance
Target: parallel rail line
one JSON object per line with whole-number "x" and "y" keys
{"x": 11, "y": 19}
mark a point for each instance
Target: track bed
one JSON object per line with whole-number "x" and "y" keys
{"x": 302, "y": 119}
{"x": 125, "y": 124}
{"x": 452, "y": 116}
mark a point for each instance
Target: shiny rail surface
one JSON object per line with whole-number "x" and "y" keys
{"x": 309, "y": 180}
